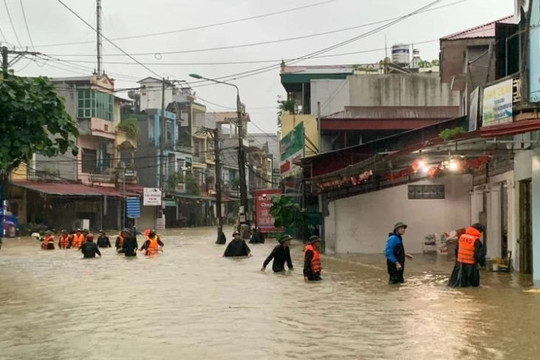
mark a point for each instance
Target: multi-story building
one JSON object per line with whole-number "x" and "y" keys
{"x": 85, "y": 186}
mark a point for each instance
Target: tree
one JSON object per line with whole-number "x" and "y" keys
{"x": 33, "y": 119}
{"x": 285, "y": 106}
{"x": 129, "y": 126}
{"x": 286, "y": 213}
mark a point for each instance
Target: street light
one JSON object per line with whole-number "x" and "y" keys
{"x": 241, "y": 162}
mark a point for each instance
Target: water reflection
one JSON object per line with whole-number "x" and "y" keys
{"x": 191, "y": 303}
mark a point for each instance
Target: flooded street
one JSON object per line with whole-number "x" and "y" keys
{"x": 190, "y": 303}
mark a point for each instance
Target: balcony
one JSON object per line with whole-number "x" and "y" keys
{"x": 97, "y": 127}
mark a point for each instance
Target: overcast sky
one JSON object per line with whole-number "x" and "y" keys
{"x": 51, "y": 26}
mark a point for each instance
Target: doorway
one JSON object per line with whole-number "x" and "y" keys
{"x": 525, "y": 227}
{"x": 504, "y": 219}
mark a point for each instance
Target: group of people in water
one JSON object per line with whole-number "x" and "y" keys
{"x": 280, "y": 254}
{"x": 81, "y": 239}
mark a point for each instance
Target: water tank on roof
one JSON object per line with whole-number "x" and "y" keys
{"x": 401, "y": 54}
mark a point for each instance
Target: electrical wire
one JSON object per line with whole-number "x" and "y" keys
{"x": 11, "y": 22}
{"x": 26, "y": 23}
{"x": 198, "y": 27}
{"x": 106, "y": 38}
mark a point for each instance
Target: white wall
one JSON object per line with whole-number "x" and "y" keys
{"x": 332, "y": 94}
{"x": 494, "y": 214}
{"x": 535, "y": 184}
{"x": 362, "y": 222}
{"x": 522, "y": 171}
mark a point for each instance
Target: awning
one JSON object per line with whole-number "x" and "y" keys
{"x": 71, "y": 189}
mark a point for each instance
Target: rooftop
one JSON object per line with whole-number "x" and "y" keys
{"x": 481, "y": 31}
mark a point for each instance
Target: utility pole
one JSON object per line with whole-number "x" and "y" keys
{"x": 241, "y": 159}
{"x": 98, "y": 32}
{"x": 162, "y": 146}
{"x": 19, "y": 54}
{"x": 217, "y": 160}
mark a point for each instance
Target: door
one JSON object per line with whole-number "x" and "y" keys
{"x": 504, "y": 220}
{"x": 525, "y": 227}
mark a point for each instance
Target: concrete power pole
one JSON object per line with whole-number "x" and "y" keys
{"x": 162, "y": 145}
{"x": 98, "y": 32}
{"x": 217, "y": 137}
{"x": 241, "y": 159}
{"x": 19, "y": 54}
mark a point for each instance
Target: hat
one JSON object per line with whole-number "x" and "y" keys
{"x": 64, "y": 231}
{"x": 235, "y": 233}
{"x": 400, "y": 224}
{"x": 284, "y": 238}
{"x": 85, "y": 231}
{"x": 48, "y": 232}
{"x": 313, "y": 239}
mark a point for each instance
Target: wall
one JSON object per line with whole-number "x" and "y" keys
{"x": 288, "y": 122}
{"x": 148, "y": 217}
{"x": 494, "y": 214}
{"x": 401, "y": 90}
{"x": 362, "y": 222}
{"x": 332, "y": 94}
{"x": 535, "y": 157}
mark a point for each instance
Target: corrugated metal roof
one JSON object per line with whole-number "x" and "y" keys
{"x": 481, "y": 31}
{"x": 395, "y": 112}
{"x": 70, "y": 189}
{"x": 318, "y": 69}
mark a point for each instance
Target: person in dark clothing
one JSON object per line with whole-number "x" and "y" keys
{"x": 470, "y": 255}
{"x": 395, "y": 254}
{"x": 312, "y": 260}
{"x": 257, "y": 237}
{"x": 221, "y": 238}
{"x": 103, "y": 240}
{"x": 129, "y": 243}
{"x": 89, "y": 248}
{"x": 281, "y": 254}
{"x": 237, "y": 247}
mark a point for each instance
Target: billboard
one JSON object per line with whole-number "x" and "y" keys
{"x": 263, "y": 203}
{"x": 497, "y": 103}
{"x": 291, "y": 149}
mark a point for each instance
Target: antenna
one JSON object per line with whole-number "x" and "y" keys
{"x": 385, "y": 47}
{"x": 99, "y": 43}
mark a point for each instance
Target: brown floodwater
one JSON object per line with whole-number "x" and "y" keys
{"x": 190, "y": 303}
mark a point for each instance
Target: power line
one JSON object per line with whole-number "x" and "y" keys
{"x": 267, "y": 42}
{"x": 27, "y": 28}
{"x": 11, "y": 22}
{"x": 199, "y": 27}
{"x": 106, "y": 38}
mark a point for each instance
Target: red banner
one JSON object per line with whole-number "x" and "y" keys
{"x": 263, "y": 203}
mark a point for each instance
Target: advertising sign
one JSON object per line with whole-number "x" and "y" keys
{"x": 151, "y": 197}
{"x": 133, "y": 207}
{"x": 497, "y": 103}
{"x": 292, "y": 149}
{"x": 263, "y": 203}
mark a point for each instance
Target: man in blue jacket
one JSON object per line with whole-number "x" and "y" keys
{"x": 395, "y": 254}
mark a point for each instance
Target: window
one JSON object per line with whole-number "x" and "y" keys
{"x": 88, "y": 160}
{"x": 95, "y": 104}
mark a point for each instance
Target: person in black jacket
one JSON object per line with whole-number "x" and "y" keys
{"x": 257, "y": 237}
{"x": 281, "y": 254}
{"x": 103, "y": 240}
{"x": 221, "y": 238}
{"x": 237, "y": 247}
{"x": 129, "y": 245}
{"x": 89, "y": 248}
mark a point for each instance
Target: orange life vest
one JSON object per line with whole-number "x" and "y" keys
{"x": 63, "y": 242}
{"x": 46, "y": 240}
{"x": 153, "y": 247}
{"x": 78, "y": 240}
{"x": 466, "y": 246}
{"x": 316, "y": 260}
{"x": 120, "y": 240}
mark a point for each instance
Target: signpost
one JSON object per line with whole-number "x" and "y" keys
{"x": 152, "y": 197}
{"x": 263, "y": 203}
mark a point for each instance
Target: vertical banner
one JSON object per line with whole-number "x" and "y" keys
{"x": 263, "y": 203}
{"x": 473, "y": 109}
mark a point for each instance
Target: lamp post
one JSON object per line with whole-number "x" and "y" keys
{"x": 241, "y": 160}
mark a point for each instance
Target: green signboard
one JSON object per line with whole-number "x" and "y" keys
{"x": 293, "y": 142}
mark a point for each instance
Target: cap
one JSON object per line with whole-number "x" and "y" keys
{"x": 89, "y": 237}
{"x": 85, "y": 231}
{"x": 284, "y": 238}
{"x": 313, "y": 239}
{"x": 48, "y": 232}
{"x": 400, "y": 224}
{"x": 64, "y": 231}
{"x": 235, "y": 233}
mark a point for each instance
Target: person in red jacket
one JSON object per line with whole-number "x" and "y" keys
{"x": 470, "y": 255}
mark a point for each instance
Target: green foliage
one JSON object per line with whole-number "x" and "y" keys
{"x": 192, "y": 188}
{"x": 33, "y": 119}
{"x": 129, "y": 126}
{"x": 286, "y": 212}
{"x": 174, "y": 180}
{"x": 448, "y": 134}
{"x": 285, "y": 106}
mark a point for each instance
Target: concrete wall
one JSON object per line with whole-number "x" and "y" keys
{"x": 401, "y": 90}
{"x": 362, "y": 222}
{"x": 332, "y": 94}
{"x": 522, "y": 171}
{"x": 535, "y": 157}
{"x": 497, "y": 185}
